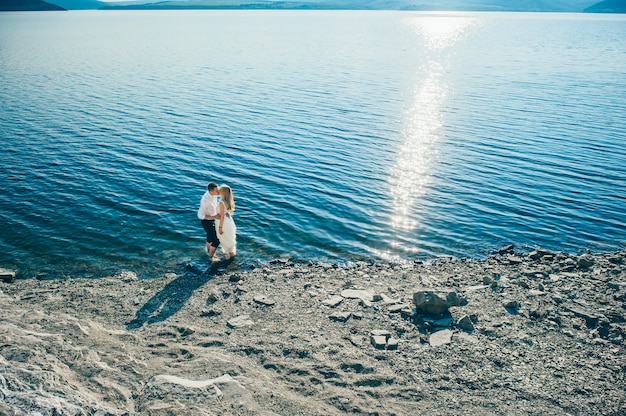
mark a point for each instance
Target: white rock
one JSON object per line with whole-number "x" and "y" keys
{"x": 440, "y": 338}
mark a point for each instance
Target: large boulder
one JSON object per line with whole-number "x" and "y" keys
{"x": 437, "y": 301}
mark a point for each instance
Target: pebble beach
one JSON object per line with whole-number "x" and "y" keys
{"x": 513, "y": 334}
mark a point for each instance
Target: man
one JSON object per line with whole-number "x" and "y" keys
{"x": 208, "y": 214}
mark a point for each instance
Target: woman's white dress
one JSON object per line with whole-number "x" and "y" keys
{"x": 228, "y": 240}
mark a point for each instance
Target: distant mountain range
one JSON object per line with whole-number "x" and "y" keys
{"x": 608, "y": 6}
{"x": 473, "y": 5}
{"x": 27, "y": 5}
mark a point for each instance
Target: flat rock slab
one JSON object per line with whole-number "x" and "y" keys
{"x": 514, "y": 259}
{"x": 440, "y": 338}
{"x": 333, "y": 301}
{"x": 364, "y": 295}
{"x": 397, "y": 308}
{"x": 240, "y": 322}
{"x": 262, "y": 300}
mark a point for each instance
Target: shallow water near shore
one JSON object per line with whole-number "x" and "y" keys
{"x": 344, "y": 135}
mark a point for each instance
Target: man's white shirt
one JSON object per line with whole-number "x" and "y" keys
{"x": 208, "y": 205}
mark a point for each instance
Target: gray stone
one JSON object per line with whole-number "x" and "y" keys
{"x": 514, "y": 259}
{"x": 396, "y": 308}
{"x": 382, "y": 339}
{"x": 506, "y": 249}
{"x": 407, "y": 313}
{"x": 465, "y": 323}
{"x": 358, "y": 340}
{"x": 435, "y": 302}
{"x": 387, "y": 300}
{"x": 212, "y": 298}
{"x": 590, "y": 318}
{"x": 537, "y": 311}
{"x": 440, "y": 338}
{"x": 511, "y": 305}
{"x": 240, "y": 322}
{"x": 378, "y": 341}
{"x": 538, "y": 254}
{"x": 364, "y": 295}
{"x": 392, "y": 343}
{"x": 381, "y": 332}
{"x": 262, "y": 300}
{"x": 7, "y": 276}
{"x": 340, "y": 316}
{"x": 476, "y": 288}
{"x": 333, "y": 301}
{"x": 585, "y": 261}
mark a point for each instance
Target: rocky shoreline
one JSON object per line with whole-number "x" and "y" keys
{"x": 515, "y": 334}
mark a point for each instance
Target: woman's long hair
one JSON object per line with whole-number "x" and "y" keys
{"x": 227, "y": 198}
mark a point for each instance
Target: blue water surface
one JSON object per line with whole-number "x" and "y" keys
{"x": 345, "y": 135}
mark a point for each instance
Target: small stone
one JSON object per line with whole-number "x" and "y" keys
{"x": 511, "y": 305}
{"x": 357, "y": 340}
{"x": 465, "y": 323}
{"x": 514, "y": 259}
{"x": 240, "y": 322}
{"x": 476, "y": 288}
{"x": 234, "y": 278}
{"x": 395, "y": 308}
{"x": 125, "y": 276}
{"x": 262, "y": 300}
{"x": 539, "y": 254}
{"x": 381, "y": 332}
{"x": 333, "y": 301}
{"x": 364, "y": 295}
{"x": 590, "y": 318}
{"x": 435, "y": 302}
{"x": 340, "y": 316}
{"x": 392, "y": 344}
{"x": 506, "y": 249}
{"x": 7, "y": 276}
{"x": 585, "y": 261}
{"x": 210, "y": 313}
{"x": 537, "y": 311}
{"x": 407, "y": 312}
{"x": 212, "y": 298}
{"x": 378, "y": 341}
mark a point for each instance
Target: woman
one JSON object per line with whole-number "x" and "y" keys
{"x": 225, "y": 225}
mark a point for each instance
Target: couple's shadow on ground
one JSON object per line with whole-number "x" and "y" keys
{"x": 175, "y": 295}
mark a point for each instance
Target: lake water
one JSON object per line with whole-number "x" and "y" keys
{"x": 344, "y": 135}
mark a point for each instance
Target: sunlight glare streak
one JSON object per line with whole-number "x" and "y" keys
{"x": 411, "y": 174}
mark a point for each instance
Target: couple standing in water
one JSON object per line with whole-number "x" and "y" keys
{"x": 217, "y": 220}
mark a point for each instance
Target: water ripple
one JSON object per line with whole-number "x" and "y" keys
{"x": 110, "y": 141}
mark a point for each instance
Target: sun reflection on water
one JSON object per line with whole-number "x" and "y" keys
{"x": 411, "y": 174}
